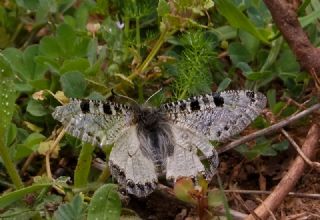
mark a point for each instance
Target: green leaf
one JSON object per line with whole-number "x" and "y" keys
{"x": 183, "y": 188}
{"x": 238, "y": 20}
{"x": 35, "y": 108}
{"x": 73, "y": 84}
{"x": 50, "y": 47}
{"x": 263, "y": 147}
{"x": 225, "y": 32}
{"x": 258, "y": 75}
{"x": 7, "y": 97}
{"x": 83, "y": 166}
{"x": 7, "y": 102}
{"x": 105, "y": 203}
{"x": 163, "y": 8}
{"x": 310, "y": 18}
{"x": 75, "y": 64}
{"x": 30, "y": 5}
{"x": 29, "y": 145}
{"x": 287, "y": 62}
{"x": 281, "y": 146}
{"x": 273, "y": 54}
{"x": 14, "y": 57}
{"x": 224, "y": 84}
{"x": 12, "y": 133}
{"x": 216, "y": 198}
{"x": 17, "y": 195}
{"x": 66, "y": 38}
{"x": 251, "y": 43}
{"x": 278, "y": 107}
{"x": 271, "y": 94}
{"x": 238, "y": 53}
{"x": 70, "y": 211}
{"x": 23, "y": 63}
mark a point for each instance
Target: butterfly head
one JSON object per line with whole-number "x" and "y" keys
{"x": 148, "y": 117}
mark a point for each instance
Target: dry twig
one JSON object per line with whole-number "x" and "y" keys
{"x": 312, "y": 164}
{"x": 262, "y": 192}
{"x": 52, "y": 148}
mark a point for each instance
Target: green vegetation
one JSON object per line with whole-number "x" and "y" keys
{"x": 87, "y": 48}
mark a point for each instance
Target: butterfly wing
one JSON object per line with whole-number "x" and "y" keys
{"x": 95, "y": 122}
{"x": 130, "y": 166}
{"x": 217, "y": 116}
{"x": 184, "y": 161}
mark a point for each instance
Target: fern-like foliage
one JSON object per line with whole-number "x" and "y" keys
{"x": 193, "y": 67}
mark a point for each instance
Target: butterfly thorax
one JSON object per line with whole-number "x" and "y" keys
{"x": 155, "y": 135}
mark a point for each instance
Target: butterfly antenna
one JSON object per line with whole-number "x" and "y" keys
{"x": 123, "y": 96}
{"x": 159, "y": 90}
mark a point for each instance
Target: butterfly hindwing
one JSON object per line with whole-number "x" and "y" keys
{"x": 130, "y": 166}
{"x": 185, "y": 160}
{"x": 218, "y": 116}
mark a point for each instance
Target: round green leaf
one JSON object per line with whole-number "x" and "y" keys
{"x": 105, "y": 203}
{"x": 70, "y": 211}
{"x": 35, "y": 108}
{"x": 73, "y": 84}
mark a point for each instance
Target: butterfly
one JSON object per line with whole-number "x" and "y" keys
{"x": 148, "y": 141}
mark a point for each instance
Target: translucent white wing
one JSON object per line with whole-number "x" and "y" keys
{"x": 95, "y": 122}
{"x": 218, "y": 116}
{"x": 185, "y": 161}
{"x": 130, "y": 166}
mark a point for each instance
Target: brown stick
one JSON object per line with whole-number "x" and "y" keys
{"x": 315, "y": 196}
{"x": 287, "y": 21}
{"x": 273, "y": 201}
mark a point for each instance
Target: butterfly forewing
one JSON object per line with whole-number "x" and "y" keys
{"x": 218, "y": 116}
{"x": 96, "y": 122}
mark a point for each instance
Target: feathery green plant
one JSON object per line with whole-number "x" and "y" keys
{"x": 193, "y": 72}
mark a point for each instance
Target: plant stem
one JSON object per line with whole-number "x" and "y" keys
{"x": 138, "y": 40}
{"x": 8, "y": 163}
{"x": 104, "y": 175}
{"x": 151, "y": 55}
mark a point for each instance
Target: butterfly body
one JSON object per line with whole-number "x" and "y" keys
{"x": 154, "y": 135}
{"x": 149, "y": 142}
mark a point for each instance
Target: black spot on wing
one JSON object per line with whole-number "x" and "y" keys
{"x": 250, "y": 95}
{"x": 85, "y": 106}
{"x": 194, "y": 105}
{"x": 218, "y": 100}
{"x": 107, "y": 109}
{"x": 182, "y": 106}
